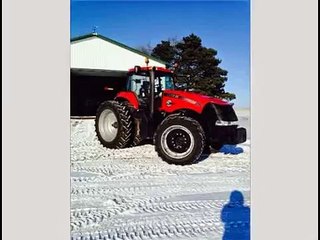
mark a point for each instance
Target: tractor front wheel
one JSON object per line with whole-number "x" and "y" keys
{"x": 179, "y": 140}
{"x": 113, "y": 124}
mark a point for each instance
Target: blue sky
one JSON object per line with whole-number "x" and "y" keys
{"x": 222, "y": 25}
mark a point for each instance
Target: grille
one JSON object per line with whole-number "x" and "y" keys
{"x": 226, "y": 113}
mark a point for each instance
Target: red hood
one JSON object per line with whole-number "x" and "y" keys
{"x": 202, "y": 99}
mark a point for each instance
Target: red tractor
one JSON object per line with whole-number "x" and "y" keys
{"x": 180, "y": 123}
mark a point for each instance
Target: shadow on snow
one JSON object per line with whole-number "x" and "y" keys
{"x": 236, "y": 218}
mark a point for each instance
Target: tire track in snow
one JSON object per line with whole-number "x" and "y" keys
{"x": 143, "y": 208}
{"x": 161, "y": 228}
{"x": 166, "y": 187}
{"x": 132, "y": 194}
{"x": 92, "y": 216}
{"x": 126, "y": 170}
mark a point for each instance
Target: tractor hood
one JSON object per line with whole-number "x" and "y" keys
{"x": 175, "y": 100}
{"x": 195, "y": 97}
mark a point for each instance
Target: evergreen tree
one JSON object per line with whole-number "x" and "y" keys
{"x": 197, "y": 66}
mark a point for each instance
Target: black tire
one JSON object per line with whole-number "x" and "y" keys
{"x": 135, "y": 139}
{"x": 122, "y": 122}
{"x": 179, "y": 140}
{"x": 207, "y": 149}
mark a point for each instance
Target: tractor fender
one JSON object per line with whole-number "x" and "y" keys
{"x": 130, "y": 97}
{"x": 205, "y": 115}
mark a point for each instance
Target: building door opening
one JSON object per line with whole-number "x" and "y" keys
{"x": 88, "y": 91}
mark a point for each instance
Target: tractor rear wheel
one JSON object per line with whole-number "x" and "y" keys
{"x": 179, "y": 140}
{"x": 135, "y": 139}
{"x": 113, "y": 124}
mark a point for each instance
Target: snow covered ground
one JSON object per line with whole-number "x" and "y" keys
{"x": 133, "y": 194}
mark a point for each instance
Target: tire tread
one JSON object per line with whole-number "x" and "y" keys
{"x": 125, "y": 125}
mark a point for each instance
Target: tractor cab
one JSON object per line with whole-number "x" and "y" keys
{"x": 148, "y": 84}
{"x": 139, "y": 80}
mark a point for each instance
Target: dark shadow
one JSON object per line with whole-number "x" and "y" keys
{"x": 226, "y": 149}
{"x": 236, "y": 218}
{"x": 203, "y": 157}
{"x": 231, "y": 149}
{"x": 205, "y": 154}
{"x": 146, "y": 141}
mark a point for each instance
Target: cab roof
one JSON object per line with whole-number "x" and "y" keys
{"x": 146, "y": 69}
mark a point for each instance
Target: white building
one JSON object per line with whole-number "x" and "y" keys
{"x": 96, "y": 62}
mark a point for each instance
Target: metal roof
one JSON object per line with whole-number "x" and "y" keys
{"x": 92, "y": 35}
